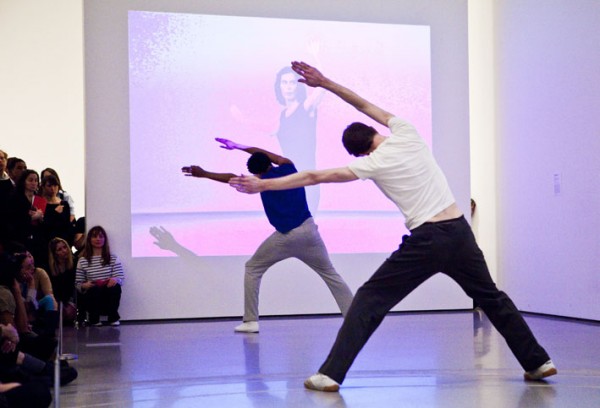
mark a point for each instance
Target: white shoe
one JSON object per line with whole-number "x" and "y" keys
{"x": 247, "y": 327}
{"x": 321, "y": 382}
{"x": 545, "y": 370}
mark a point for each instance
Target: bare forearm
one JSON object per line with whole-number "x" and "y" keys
{"x": 357, "y": 101}
{"x": 220, "y": 177}
{"x": 308, "y": 178}
{"x": 347, "y": 95}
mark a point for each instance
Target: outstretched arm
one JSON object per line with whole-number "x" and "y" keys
{"x": 197, "y": 171}
{"x": 231, "y": 145}
{"x": 252, "y": 185}
{"x": 313, "y": 77}
{"x": 313, "y": 100}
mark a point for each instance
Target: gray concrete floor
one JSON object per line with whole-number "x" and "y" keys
{"x": 446, "y": 359}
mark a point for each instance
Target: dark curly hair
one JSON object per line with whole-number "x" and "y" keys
{"x": 258, "y": 163}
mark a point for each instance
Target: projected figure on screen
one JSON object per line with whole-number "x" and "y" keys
{"x": 297, "y": 132}
{"x": 296, "y": 235}
{"x": 440, "y": 238}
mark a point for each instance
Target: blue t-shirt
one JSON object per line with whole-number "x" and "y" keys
{"x": 285, "y": 209}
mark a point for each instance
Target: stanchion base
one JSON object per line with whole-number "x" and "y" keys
{"x": 68, "y": 356}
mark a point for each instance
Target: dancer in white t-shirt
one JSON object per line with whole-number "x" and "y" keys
{"x": 440, "y": 240}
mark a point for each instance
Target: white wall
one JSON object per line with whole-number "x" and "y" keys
{"x": 482, "y": 71}
{"x": 41, "y": 88}
{"x": 548, "y": 66}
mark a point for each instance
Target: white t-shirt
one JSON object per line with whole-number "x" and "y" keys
{"x": 405, "y": 171}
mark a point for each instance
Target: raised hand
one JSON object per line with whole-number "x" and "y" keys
{"x": 246, "y": 184}
{"x": 164, "y": 239}
{"x": 193, "y": 171}
{"x": 310, "y": 75}
{"x": 228, "y": 144}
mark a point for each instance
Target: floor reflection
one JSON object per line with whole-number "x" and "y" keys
{"x": 413, "y": 360}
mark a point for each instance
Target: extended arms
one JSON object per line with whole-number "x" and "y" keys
{"x": 252, "y": 185}
{"x": 231, "y": 145}
{"x": 197, "y": 171}
{"x": 314, "y": 78}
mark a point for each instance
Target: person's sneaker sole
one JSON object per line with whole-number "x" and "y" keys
{"x": 330, "y": 388}
{"x": 245, "y": 331}
{"x": 552, "y": 371}
{"x": 247, "y": 327}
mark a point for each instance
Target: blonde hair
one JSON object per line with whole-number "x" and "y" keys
{"x": 55, "y": 269}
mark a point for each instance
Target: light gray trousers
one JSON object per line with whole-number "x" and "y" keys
{"x": 303, "y": 242}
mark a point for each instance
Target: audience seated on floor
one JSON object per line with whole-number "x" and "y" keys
{"x": 62, "y": 275}
{"x": 29, "y": 376}
{"x": 98, "y": 279}
{"x": 38, "y": 295}
{"x": 35, "y": 316}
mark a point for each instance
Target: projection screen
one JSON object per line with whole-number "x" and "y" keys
{"x": 164, "y": 79}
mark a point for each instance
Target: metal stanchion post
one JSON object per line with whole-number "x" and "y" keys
{"x": 63, "y": 356}
{"x": 60, "y": 356}
{"x": 57, "y": 359}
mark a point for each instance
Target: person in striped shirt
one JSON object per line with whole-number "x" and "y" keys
{"x": 98, "y": 279}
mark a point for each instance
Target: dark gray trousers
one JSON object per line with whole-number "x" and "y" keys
{"x": 448, "y": 247}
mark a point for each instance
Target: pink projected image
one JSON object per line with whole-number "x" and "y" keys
{"x": 193, "y": 78}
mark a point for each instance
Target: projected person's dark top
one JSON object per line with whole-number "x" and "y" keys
{"x": 296, "y": 234}
{"x": 285, "y": 209}
{"x": 297, "y": 137}
{"x": 297, "y": 133}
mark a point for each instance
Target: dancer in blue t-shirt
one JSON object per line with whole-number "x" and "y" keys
{"x": 296, "y": 234}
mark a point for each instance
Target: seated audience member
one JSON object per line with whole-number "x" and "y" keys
{"x": 17, "y": 366}
{"x": 98, "y": 279}
{"x": 20, "y": 382}
{"x": 40, "y": 305}
{"x": 26, "y": 214}
{"x": 62, "y": 276}
{"x": 35, "y": 286}
{"x": 19, "y": 386}
{"x": 62, "y": 194}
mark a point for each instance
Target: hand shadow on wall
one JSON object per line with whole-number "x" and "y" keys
{"x": 165, "y": 240}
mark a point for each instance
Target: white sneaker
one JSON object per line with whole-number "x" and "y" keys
{"x": 545, "y": 370}
{"x": 321, "y": 382}
{"x": 247, "y": 327}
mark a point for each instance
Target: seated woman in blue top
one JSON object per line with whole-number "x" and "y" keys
{"x": 98, "y": 279}
{"x": 296, "y": 235}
